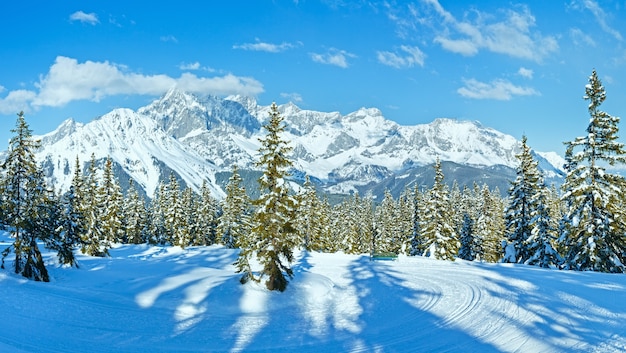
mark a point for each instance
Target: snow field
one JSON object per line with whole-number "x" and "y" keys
{"x": 167, "y": 299}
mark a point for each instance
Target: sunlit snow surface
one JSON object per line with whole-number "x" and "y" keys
{"x": 166, "y": 299}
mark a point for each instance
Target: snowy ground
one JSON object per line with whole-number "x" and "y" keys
{"x": 164, "y": 299}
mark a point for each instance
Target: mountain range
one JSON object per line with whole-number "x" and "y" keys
{"x": 201, "y": 137}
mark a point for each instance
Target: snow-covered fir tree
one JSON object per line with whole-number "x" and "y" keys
{"x": 156, "y": 216}
{"x": 469, "y": 248}
{"x": 522, "y": 203}
{"x": 207, "y": 217}
{"x": 272, "y": 223}
{"x": 233, "y": 225}
{"x": 441, "y": 240}
{"x": 387, "y": 222}
{"x": 23, "y": 191}
{"x": 110, "y": 200}
{"x": 541, "y": 243}
{"x": 415, "y": 242}
{"x": 594, "y": 225}
{"x": 309, "y": 217}
{"x": 93, "y": 240}
{"x": 135, "y": 217}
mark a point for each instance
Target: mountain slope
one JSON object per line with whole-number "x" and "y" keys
{"x": 195, "y": 137}
{"x": 133, "y": 141}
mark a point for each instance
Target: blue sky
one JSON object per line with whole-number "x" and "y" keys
{"x": 519, "y": 67}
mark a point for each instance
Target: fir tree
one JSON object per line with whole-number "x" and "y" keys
{"x": 522, "y": 203}
{"x": 540, "y": 244}
{"x": 468, "y": 248}
{"x": 273, "y": 221}
{"x": 207, "y": 216}
{"x": 594, "y": 225}
{"x": 233, "y": 225}
{"x": 441, "y": 240}
{"x": 109, "y": 199}
{"x": 135, "y": 217}
{"x": 93, "y": 241}
{"x": 24, "y": 206}
{"x": 416, "y": 241}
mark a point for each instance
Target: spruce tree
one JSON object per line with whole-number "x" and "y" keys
{"x": 522, "y": 203}
{"x": 93, "y": 240}
{"x": 25, "y": 206}
{"x": 110, "y": 199}
{"x": 273, "y": 226}
{"x": 468, "y": 248}
{"x": 441, "y": 240}
{"x": 135, "y": 217}
{"x": 207, "y": 217}
{"x": 233, "y": 225}
{"x": 594, "y": 225}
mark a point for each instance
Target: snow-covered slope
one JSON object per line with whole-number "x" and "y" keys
{"x": 165, "y": 299}
{"x": 196, "y": 136}
{"x": 135, "y": 142}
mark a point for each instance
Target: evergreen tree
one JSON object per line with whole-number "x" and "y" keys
{"x": 522, "y": 203}
{"x": 110, "y": 200}
{"x": 207, "y": 216}
{"x": 441, "y": 240}
{"x": 386, "y": 219}
{"x": 540, "y": 244}
{"x": 93, "y": 240}
{"x": 24, "y": 192}
{"x": 468, "y": 248}
{"x": 156, "y": 216}
{"x": 594, "y": 226}
{"x": 135, "y": 217}
{"x": 309, "y": 217}
{"x": 233, "y": 225}
{"x": 416, "y": 241}
{"x": 175, "y": 225}
{"x": 273, "y": 221}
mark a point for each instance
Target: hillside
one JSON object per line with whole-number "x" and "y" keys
{"x": 199, "y": 137}
{"x": 165, "y": 299}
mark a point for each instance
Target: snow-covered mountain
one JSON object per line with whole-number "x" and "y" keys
{"x": 197, "y": 137}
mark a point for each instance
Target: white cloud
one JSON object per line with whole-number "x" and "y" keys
{"x": 169, "y": 38}
{"x": 509, "y": 31}
{"x": 412, "y": 56}
{"x": 90, "y": 18}
{"x": 334, "y": 57}
{"x": 497, "y": 89}
{"x": 292, "y": 97}
{"x": 579, "y": 37}
{"x": 524, "y": 72}
{"x": 267, "y": 47}
{"x": 68, "y": 80}
{"x": 602, "y": 18}
{"x": 189, "y": 66}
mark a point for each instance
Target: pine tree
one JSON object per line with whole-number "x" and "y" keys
{"x": 233, "y": 225}
{"x": 441, "y": 240}
{"x": 540, "y": 244}
{"x": 135, "y": 217}
{"x": 522, "y": 203}
{"x": 594, "y": 225}
{"x": 156, "y": 216}
{"x": 110, "y": 200}
{"x": 416, "y": 240}
{"x": 468, "y": 248}
{"x": 24, "y": 206}
{"x": 207, "y": 216}
{"x": 273, "y": 220}
{"x": 93, "y": 241}
{"x": 308, "y": 222}
{"x": 175, "y": 225}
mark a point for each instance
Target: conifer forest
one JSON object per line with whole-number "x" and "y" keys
{"x": 579, "y": 225}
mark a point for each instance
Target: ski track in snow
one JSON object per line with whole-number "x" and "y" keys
{"x": 166, "y": 299}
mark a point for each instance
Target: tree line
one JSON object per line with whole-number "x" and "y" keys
{"x": 582, "y": 226}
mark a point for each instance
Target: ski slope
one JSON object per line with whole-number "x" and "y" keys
{"x": 166, "y": 299}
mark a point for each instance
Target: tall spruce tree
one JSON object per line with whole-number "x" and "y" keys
{"x": 594, "y": 225}
{"x": 441, "y": 240}
{"x": 24, "y": 203}
{"x": 273, "y": 226}
{"x": 233, "y": 225}
{"x": 522, "y": 203}
{"x": 110, "y": 203}
{"x": 135, "y": 217}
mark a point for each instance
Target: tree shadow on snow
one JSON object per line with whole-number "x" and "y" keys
{"x": 567, "y": 311}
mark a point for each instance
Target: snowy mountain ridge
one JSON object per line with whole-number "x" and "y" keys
{"x": 197, "y": 137}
